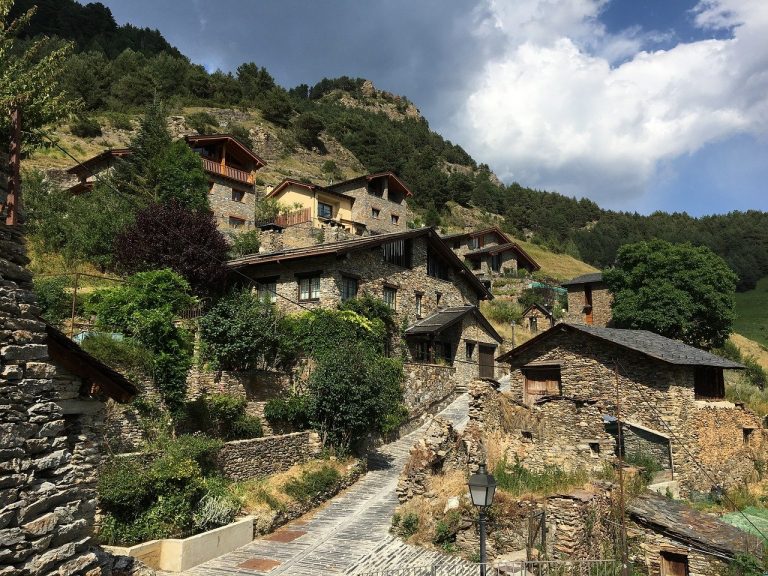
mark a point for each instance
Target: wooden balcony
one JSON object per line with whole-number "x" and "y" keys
{"x": 294, "y": 218}
{"x": 227, "y": 172}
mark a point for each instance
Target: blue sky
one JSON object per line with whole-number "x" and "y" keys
{"x": 641, "y": 105}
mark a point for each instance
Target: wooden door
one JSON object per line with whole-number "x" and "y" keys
{"x": 541, "y": 382}
{"x": 487, "y": 361}
{"x": 588, "y": 318}
{"x": 674, "y": 564}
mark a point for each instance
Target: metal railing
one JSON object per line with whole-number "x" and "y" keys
{"x": 513, "y": 568}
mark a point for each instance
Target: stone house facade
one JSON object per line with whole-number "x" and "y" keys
{"x": 671, "y": 399}
{"x": 381, "y": 201}
{"x": 589, "y": 300}
{"x": 537, "y": 318}
{"x": 414, "y": 272}
{"x": 52, "y": 397}
{"x": 490, "y": 252}
{"x": 229, "y": 165}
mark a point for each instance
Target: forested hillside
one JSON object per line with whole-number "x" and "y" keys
{"x": 121, "y": 69}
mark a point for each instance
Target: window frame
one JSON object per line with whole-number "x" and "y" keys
{"x": 313, "y": 290}
{"x": 320, "y": 206}
{"x": 419, "y": 303}
{"x": 236, "y": 222}
{"x": 263, "y": 290}
{"x": 375, "y": 213}
{"x": 394, "y": 219}
{"x": 393, "y": 291}
{"x": 241, "y": 198}
{"x": 345, "y": 280}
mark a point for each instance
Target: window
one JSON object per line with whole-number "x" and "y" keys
{"x": 470, "y": 350}
{"x": 540, "y": 382}
{"x": 418, "y": 305}
{"x": 496, "y": 262}
{"x": 438, "y": 297}
{"x": 309, "y": 288}
{"x": 476, "y": 264}
{"x": 395, "y": 218}
{"x": 390, "y": 297}
{"x": 456, "y": 244}
{"x": 266, "y": 289}
{"x": 473, "y": 243}
{"x": 747, "y": 433}
{"x": 444, "y": 352}
{"x": 375, "y": 212}
{"x": 594, "y": 449}
{"x": 708, "y": 382}
{"x": 436, "y": 267}
{"x": 237, "y": 195}
{"x": 376, "y": 187}
{"x": 526, "y": 434}
{"x": 674, "y": 564}
{"x": 398, "y": 252}
{"x": 533, "y": 321}
{"x": 348, "y": 287}
{"x": 421, "y": 352}
{"x": 235, "y": 222}
{"x": 324, "y": 210}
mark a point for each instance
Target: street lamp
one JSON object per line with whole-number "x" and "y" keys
{"x": 482, "y": 487}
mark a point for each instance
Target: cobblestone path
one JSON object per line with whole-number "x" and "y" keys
{"x": 350, "y": 535}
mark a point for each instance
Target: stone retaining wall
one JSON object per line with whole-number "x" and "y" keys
{"x": 427, "y": 386}
{"x": 246, "y": 459}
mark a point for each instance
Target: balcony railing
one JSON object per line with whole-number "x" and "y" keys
{"x": 294, "y": 218}
{"x": 227, "y": 171}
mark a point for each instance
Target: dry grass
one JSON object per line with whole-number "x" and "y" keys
{"x": 751, "y": 348}
{"x": 557, "y": 266}
{"x": 267, "y": 493}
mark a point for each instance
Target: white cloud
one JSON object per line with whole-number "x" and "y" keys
{"x": 567, "y": 106}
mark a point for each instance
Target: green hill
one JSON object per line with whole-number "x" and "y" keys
{"x": 348, "y": 126}
{"x": 752, "y": 313}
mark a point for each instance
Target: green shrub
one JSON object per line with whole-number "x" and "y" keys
{"x": 503, "y": 311}
{"x": 517, "y": 479}
{"x": 447, "y": 528}
{"x": 223, "y": 416}
{"x": 647, "y": 463}
{"x": 292, "y": 411}
{"x": 408, "y": 525}
{"x": 744, "y": 564}
{"x": 245, "y": 243}
{"x": 120, "y": 121}
{"x": 218, "y": 507}
{"x": 312, "y": 483}
{"x": 126, "y": 356}
{"x": 755, "y": 373}
{"x": 202, "y": 122}
{"x": 84, "y": 127}
{"x": 241, "y": 133}
{"x": 53, "y": 299}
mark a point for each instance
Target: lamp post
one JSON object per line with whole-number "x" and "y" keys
{"x": 482, "y": 487}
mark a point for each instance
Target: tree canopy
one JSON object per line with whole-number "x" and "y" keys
{"x": 680, "y": 291}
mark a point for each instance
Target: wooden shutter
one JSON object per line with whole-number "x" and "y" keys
{"x": 541, "y": 382}
{"x": 486, "y": 362}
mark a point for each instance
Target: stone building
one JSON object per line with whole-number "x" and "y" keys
{"x": 372, "y": 204}
{"x": 589, "y": 300}
{"x": 489, "y": 253}
{"x": 671, "y": 402}
{"x": 537, "y": 318}
{"x": 667, "y": 537}
{"x": 51, "y": 410}
{"x": 414, "y": 272}
{"x": 229, "y": 165}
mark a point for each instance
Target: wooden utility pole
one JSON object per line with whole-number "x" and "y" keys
{"x": 74, "y": 306}
{"x": 622, "y": 504}
{"x": 14, "y": 164}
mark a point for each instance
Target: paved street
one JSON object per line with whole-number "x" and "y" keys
{"x": 350, "y": 535}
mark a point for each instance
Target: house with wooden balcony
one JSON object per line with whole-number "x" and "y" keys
{"x": 313, "y": 205}
{"x": 230, "y": 166}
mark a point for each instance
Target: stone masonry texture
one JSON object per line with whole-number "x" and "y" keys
{"x": 711, "y": 442}
{"x": 48, "y": 459}
{"x": 602, "y": 300}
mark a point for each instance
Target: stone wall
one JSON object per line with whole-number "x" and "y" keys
{"x": 602, "y": 300}
{"x": 48, "y": 448}
{"x": 223, "y": 206}
{"x": 428, "y": 386}
{"x": 562, "y": 432}
{"x": 656, "y": 396}
{"x": 578, "y": 524}
{"x": 246, "y": 459}
{"x": 364, "y": 204}
{"x": 637, "y": 441}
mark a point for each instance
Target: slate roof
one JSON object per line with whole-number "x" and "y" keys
{"x": 446, "y": 318}
{"x": 676, "y": 520}
{"x": 500, "y": 248}
{"x": 308, "y": 185}
{"x": 648, "y": 343}
{"x": 539, "y": 307}
{"x": 591, "y": 278}
{"x": 70, "y": 356}
{"x": 362, "y": 243}
{"x": 492, "y": 230}
{"x": 391, "y": 177}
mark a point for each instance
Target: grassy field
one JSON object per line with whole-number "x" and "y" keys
{"x": 558, "y": 266}
{"x": 752, "y": 313}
